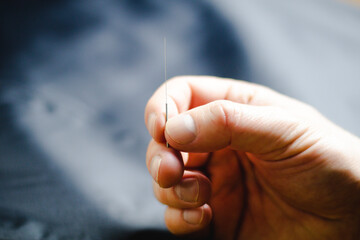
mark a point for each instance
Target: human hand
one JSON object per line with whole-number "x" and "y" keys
{"x": 248, "y": 163}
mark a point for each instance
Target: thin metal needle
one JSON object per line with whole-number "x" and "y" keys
{"x": 166, "y": 95}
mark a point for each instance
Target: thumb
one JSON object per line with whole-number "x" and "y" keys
{"x": 264, "y": 130}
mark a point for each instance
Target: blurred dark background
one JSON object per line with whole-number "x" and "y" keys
{"x": 75, "y": 77}
{"x": 74, "y": 80}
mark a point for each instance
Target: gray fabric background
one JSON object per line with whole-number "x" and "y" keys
{"x": 75, "y": 77}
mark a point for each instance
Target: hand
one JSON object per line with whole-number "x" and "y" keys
{"x": 248, "y": 163}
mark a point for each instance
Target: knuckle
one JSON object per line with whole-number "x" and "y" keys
{"x": 223, "y": 113}
{"x": 248, "y": 91}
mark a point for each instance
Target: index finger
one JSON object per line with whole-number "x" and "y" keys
{"x": 188, "y": 92}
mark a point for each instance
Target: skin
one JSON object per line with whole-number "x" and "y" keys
{"x": 246, "y": 162}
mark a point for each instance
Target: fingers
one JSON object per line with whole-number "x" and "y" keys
{"x": 184, "y": 192}
{"x": 185, "y": 93}
{"x": 173, "y": 186}
{"x": 186, "y": 221}
{"x": 164, "y": 164}
{"x": 193, "y": 191}
{"x": 255, "y": 129}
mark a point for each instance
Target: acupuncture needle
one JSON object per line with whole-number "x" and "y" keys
{"x": 166, "y": 94}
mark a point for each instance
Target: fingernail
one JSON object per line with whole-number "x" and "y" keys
{"x": 154, "y": 167}
{"x": 181, "y": 129}
{"x": 188, "y": 190}
{"x": 193, "y": 216}
{"x": 151, "y": 124}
